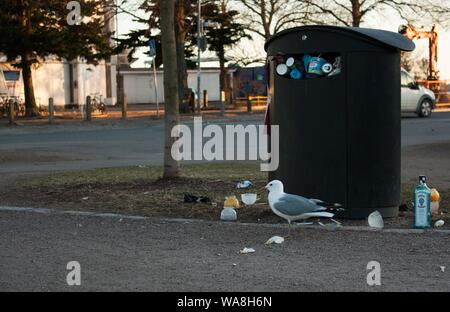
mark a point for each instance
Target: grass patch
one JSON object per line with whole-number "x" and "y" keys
{"x": 140, "y": 190}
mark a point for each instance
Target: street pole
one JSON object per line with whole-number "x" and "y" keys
{"x": 118, "y": 88}
{"x": 199, "y": 51}
{"x": 156, "y": 87}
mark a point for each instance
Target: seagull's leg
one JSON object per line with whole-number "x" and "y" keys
{"x": 289, "y": 229}
{"x": 301, "y": 229}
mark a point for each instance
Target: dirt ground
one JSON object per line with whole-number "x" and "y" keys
{"x": 153, "y": 255}
{"x": 139, "y": 191}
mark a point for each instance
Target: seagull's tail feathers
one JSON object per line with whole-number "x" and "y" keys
{"x": 319, "y": 214}
{"x": 331, "y": 207}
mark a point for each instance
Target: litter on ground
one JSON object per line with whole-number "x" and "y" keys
{"x": 247, "y": 250}
{"x": 244, "y": 184}
{"x": 439, "y": 223}
{"x": 375, "y": 220}
{"x": 190, "y": 198}
{"x": 275, "y": 240}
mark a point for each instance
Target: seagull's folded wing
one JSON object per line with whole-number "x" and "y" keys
{"x": 294, "y": 205}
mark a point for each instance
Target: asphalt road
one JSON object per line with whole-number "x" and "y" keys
{"x": 82, "y": 146}
{"x": 155, "y": 255}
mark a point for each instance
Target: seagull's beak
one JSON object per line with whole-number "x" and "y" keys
{"x": 266, "y": 187}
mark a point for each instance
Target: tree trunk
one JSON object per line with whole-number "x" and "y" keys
{"x": 356, "y": 13}
{"x": 223, "y": 71}
{"x": 265, "y": 23}
{"x": 31, "y": 109}
{"x": 180, "y": 33}
{"x": 171, "y": 99}
{"x": 182, "y": 72}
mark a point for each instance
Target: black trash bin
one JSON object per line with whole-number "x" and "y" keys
{"x": 340, "y": 130}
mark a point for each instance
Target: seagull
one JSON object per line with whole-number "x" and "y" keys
{"x": 293, "y": 207}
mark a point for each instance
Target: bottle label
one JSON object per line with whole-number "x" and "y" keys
{"x": 421, "y": 210}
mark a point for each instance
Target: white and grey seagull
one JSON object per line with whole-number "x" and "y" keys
{"x": 293, "y": 207}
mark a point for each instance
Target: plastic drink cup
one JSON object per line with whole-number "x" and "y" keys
{"x": 282, "y": 69}
{"x": 296, "y": 74}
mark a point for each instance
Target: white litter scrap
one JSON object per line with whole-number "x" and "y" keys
{"x": 375, "y": 220}
{"x": 439, "y": 223}
{"x": 244, "y": 184}
{"x": 247, "y": 250}
{"x": 331, "y": 226}
{"x": 275, "y": 240}
{"x": 442, "y": 269}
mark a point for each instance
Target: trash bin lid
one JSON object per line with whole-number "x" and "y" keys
{"x": 387, "y": 38}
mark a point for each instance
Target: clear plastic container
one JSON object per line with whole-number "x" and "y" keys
{"x": 228, "y": 214}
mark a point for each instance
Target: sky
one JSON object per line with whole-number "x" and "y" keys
{"x": 387, "y": 20}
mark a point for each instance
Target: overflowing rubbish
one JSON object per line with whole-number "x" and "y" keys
{"x": 249, "y": 198}
{"x": 434, "y": 201}
{"x": 228, "y": 214}
{"x": 231, "y": 202}
{"x": 189, "y": 198}
{"x": 434, "y": 195}
{"x": 308, "y": 66}
{"x": 375, "y": 220}
{"x": 247, "y": 250}
{"x": 422, "y": 211}
{"x": 244, "y": 184}
{"x": 275, "y": 240}
{"x": 439, "y": 223}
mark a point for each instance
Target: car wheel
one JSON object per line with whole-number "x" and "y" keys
{"x": 425, "y": 108}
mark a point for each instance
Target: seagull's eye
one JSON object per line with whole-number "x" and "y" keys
{"x": 270, "y": 184}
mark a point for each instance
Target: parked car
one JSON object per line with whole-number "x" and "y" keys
{"x": 416, "y": 98}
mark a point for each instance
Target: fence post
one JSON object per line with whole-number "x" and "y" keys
{"x": 125, "y": 107}
{"x": 88, "y": 109}
{"x": 11, "y": 112}
{"x": 51, "y": 110}
{"x": 249, "y": 104}
{"x": 205, "y": 98}
{"x": 222, "y": 103}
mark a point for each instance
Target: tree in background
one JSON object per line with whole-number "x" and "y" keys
{"x": 353, "y": 12}
{"x": 267, "y": 17}
{"x": 32, "y": 30}
{"x": 185, "y": 15}
{"x": 167, "y": 15}
{"x": 224, "y": 35}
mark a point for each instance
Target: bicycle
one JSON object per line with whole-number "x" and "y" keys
{"x": 19, "y": 106}
{"x": 97, "y": 103}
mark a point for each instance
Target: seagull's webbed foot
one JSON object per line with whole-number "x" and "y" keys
{"x": 301, "y": 230}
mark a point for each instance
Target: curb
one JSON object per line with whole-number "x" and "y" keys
{"x": 48, "y": 211}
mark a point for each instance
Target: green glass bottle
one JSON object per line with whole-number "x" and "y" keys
{"x": 422, "y": 214}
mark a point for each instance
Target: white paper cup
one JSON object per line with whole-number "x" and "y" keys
{"x": 249, "y": 198}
